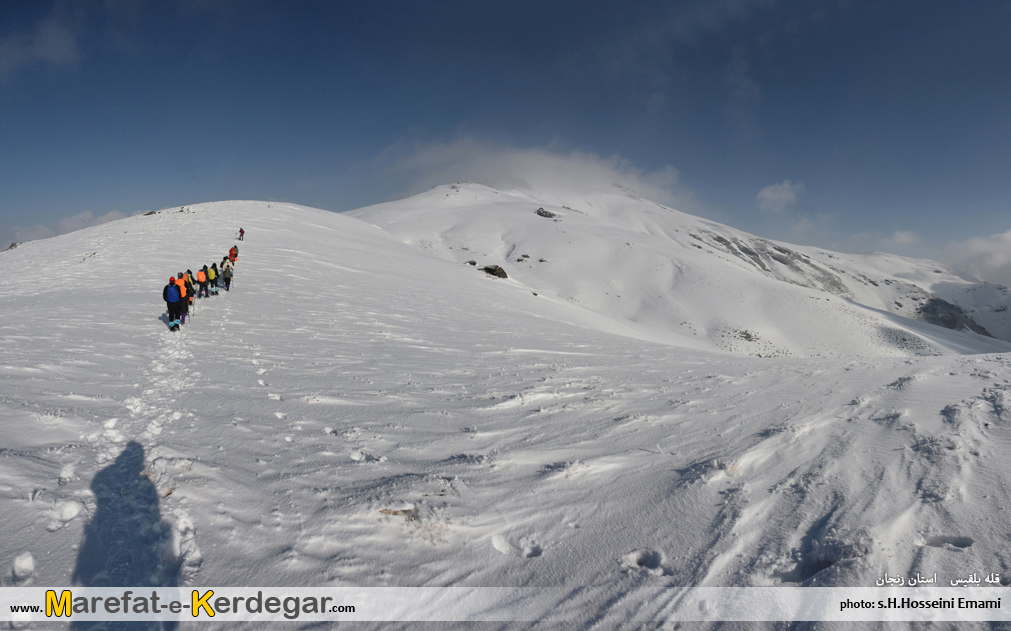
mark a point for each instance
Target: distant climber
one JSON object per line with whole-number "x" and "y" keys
{"x": 241, "y": 233}
{"x": 173, "y": 300}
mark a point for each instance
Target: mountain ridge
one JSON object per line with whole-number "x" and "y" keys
{"x": 669, "y": 254}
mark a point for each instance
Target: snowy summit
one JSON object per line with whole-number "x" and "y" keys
{"x": 647, "y": 399}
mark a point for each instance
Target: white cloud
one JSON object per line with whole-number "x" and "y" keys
{"x": 776, "y": 199}
{"x": 905, "y": 237}
{"x": 540, "y": 169}
{"x": 988, "y": 258}
{"x": 53, "y": 41}
{"x": 901, "y": 242}
{"x": 31, "y": 233}
{"x": 86, "y": 220}
{"x": 65, "y": 225}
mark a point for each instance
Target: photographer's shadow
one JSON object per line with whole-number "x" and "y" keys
{"x": 126, "y": 542}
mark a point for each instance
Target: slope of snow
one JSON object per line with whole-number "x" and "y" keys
{"x": 359, "y": 412}
{"x": 636, "y": 260}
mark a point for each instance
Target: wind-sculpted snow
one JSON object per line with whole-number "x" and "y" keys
{"x": 357, "y": 411}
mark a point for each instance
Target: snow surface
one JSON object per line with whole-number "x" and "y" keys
{"x": 360, "y": 412}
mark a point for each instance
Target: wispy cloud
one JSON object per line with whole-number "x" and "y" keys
{"x": 642, "y": 52}
{"x": 649, "y": 51}
{"x": 905, "y": 237}
{"x": 776, "y": 199}
{"x": 988, "y": 258}
{"x": 743, "y": 92}
{"x": 23, "y": 234}
{"x": 53, "y": 41}
{"x": 542, "y": 169}
{"x": 68, "y": 224}
{"x": 901, "y": 242}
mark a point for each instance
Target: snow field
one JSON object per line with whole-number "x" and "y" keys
{"x": 359, "y": 412}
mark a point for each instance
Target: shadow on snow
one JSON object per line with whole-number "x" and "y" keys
{"x": 125, "y": 544}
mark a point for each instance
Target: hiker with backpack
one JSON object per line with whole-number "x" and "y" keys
{"x": 212, "y": 278}
{"x": 226, "y": 274}
{"x": 184, "y": 302}
{"x": 191, "y": 292}
{"x": 202, "y": 280}
{"x": 227, "y": 271}
{"x": 173, "y": 301}
{"x": 241, "y": 233}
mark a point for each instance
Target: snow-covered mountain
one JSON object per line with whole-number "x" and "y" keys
{"x": 633, "y": 259}
{"x": 360, "y": 411}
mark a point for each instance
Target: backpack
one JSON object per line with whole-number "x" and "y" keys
{"x": 173, "y": 293}
{"x": 210, "y": 274}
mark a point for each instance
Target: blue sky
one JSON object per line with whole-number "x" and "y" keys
{"x": 853, "y": 124}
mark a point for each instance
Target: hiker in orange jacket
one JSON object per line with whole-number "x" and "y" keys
{"x": 202, "y": 280}
{"x": 184, "y": 303}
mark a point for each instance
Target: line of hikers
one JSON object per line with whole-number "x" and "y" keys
{"x": 183, "y": 288}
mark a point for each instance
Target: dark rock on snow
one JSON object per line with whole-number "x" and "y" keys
{"x": 943, "y": 313}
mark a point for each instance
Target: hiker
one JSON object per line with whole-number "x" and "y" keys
{"x": 233, "y": 254}
{"x": 226, "y": 274}
{"x": 173, "y": 301}
{"x": 202, "y": 280}
{"x": 241, "y": 232}
{"x": 227, "y": 271}
{"x": 212, "y": 278}
{"x": 191, "y": 292}
{"x": 184, "y": 302}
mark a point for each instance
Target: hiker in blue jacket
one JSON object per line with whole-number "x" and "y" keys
{"x": 174, "y": 301}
